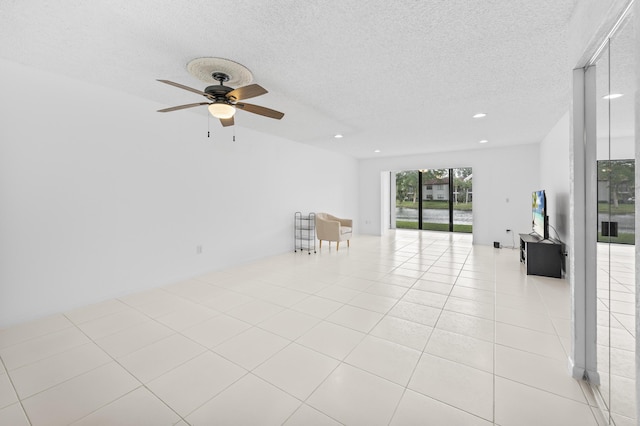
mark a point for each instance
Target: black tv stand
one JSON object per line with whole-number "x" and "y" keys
{"x": 541, "y": 256}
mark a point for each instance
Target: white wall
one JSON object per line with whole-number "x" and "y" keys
{"x": 503, "y": 180}
{"x": 102, "y": 196}
{"x": 554, "y": 176}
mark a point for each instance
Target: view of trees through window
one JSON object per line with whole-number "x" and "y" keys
{"x": 435, "y": 199}
{"x": 616, "y": 199}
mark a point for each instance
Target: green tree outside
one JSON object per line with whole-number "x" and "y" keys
{"x": 620, "y": 174}
{"x": 407, "y": 186}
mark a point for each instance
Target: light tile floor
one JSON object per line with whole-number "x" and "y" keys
{"x": 413, "y": 328}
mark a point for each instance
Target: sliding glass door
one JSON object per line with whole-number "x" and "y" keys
{"x": 435, "y": 199}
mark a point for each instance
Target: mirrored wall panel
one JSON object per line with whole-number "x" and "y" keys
{"x": 616, "y": 211}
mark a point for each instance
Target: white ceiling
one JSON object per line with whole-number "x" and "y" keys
{"x": 402, "y": 77}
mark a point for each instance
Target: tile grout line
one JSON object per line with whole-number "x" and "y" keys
{"x": 15, "y": 391}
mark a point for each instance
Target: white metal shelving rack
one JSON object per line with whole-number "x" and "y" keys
{"x": 304, "y": 234}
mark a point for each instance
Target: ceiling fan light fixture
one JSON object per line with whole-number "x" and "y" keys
{"x": 222, "y": 110}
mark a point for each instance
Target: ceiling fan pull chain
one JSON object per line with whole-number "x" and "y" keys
{"x": 208, "y": 127}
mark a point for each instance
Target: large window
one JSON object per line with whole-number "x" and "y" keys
{"x": 434, "y": 199}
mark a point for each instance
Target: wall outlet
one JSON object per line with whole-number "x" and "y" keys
{"x": 198, "y": 249}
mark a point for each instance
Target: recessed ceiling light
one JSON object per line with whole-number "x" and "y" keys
{"x": 338, "y": 136}
{"x": 480, "y": 115}
{"x": 376, "y": 151}
{"x": 484, "y": 141}
{"x": 613, "y": 96}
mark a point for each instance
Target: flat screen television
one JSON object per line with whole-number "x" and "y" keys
{"x": 540, "y": 222}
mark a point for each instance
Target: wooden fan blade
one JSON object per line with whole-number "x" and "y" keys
{"x": 246, "y": 92}
{"x": 182, "y": 86}
{"x": 226, "y": 122}
{"x": 260, "y": 110}
{"x": 175, "y": 108}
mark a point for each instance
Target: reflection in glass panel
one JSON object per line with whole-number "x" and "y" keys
{"x": 615, "y": 88}
{"x": 616, "y": 201}
{"x": 622, "y": 396}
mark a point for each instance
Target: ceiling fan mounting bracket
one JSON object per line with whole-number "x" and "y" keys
{"x": 221, "y": 77}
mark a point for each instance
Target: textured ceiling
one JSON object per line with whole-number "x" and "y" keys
{"x": 615, "y": 74}
{"x": 402, "y": 77}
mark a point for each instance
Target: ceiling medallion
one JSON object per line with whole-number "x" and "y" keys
{"x": 204, "y": 68}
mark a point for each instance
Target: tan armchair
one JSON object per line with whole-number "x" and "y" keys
{"x": 330, "y": 228}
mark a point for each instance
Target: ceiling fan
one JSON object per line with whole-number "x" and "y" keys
{"x": 223, "y": 101}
